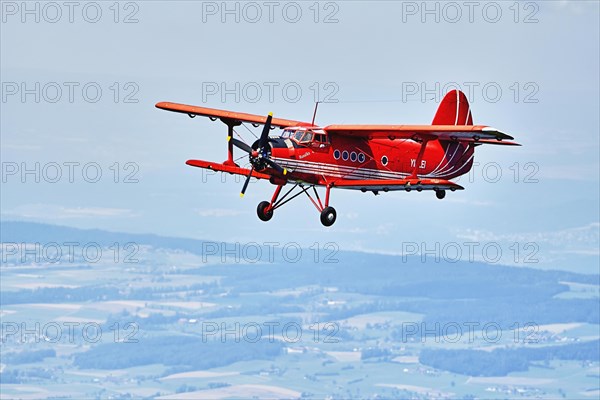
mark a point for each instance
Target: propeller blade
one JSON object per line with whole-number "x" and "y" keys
{"x": 276, "y": 166}
{"x": 241, "y": 145}
{"x": 265, "y": 133}
{"x": 246, "y": 182}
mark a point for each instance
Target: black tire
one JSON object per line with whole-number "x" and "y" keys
{"x": 260, "y": 210}
{"x": 328, "y": 216}
{"x": 440, "y": 194}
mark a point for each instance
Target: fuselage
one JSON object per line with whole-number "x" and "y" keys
{"x": 310, "y": 155}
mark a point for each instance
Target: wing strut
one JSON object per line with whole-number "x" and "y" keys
{"x": 230, "y": 124}
{"x": 424, "y": 142}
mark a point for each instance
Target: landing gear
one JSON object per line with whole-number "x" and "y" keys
{"x": 262, "y": 212}
{"x": 440, "y": 194}
{"x": 328, "y": 216}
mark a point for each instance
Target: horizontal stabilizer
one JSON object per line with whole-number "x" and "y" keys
{"x": 495, "y": 142}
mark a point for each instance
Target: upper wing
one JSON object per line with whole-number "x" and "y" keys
{"x": 396, "y": 184}
{"x": 213, "y": 113}
{"x": 468, "y": 133}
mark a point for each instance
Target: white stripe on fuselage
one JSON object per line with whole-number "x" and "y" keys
{"x": 340, "y": 171}
{"x": 348, "y": 172}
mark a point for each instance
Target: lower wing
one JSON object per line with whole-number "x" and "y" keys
{"x": 226, "y": 168}
{"x": 356, "y": 184}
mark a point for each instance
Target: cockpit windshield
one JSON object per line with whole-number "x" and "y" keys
{"x": 288, "y": 133}
{"x": 305, "y": 137}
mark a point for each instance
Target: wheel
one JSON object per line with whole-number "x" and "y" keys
{"x": 328, "y": 216}
{"x": 262, "y": 214}
{"x": 440, "y": 194}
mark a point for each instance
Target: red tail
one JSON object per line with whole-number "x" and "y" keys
{"x": 453, "y": 110}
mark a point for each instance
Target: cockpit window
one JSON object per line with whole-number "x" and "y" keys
{"x": 287, "y": 133}
{"x": 322, "y": 138}
{"x": 308, "y": 136}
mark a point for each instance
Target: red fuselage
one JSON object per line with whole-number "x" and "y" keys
{"x": 354, "y": 158}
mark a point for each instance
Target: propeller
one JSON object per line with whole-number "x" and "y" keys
{"x": 241, "y": 145}
{"x": 264, "y": 137}
{"x": 260, "y": 157}
{"x": 247, "y": 182}
{"x": 276, "y": 166}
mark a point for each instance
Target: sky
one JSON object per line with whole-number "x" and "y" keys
{"x": 79, "y": 84}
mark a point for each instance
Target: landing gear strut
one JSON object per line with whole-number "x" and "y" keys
{"x": 328, "y": 214}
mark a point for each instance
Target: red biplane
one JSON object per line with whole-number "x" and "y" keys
{"x": 369, "y": 158}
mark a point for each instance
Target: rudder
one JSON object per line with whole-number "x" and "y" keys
{"x": 453, "y": 110}
{"x": 458, "y": 157}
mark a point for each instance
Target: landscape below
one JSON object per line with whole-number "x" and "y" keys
{"x": 170, "y": 318}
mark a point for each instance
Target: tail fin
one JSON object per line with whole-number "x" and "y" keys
{"x": 458, "y": 156}
{"x": 453, "y": 110}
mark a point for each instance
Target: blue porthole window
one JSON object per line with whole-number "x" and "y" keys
{"x": 345, "y": 155}
{"x": 361, "y": 158}
{"x": 384, "y": 160}
{"x": 336, "y": 154}
{"x": 353, "y": 157}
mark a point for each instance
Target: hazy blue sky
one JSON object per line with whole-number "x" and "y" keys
{"x": 374, "y": 58}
